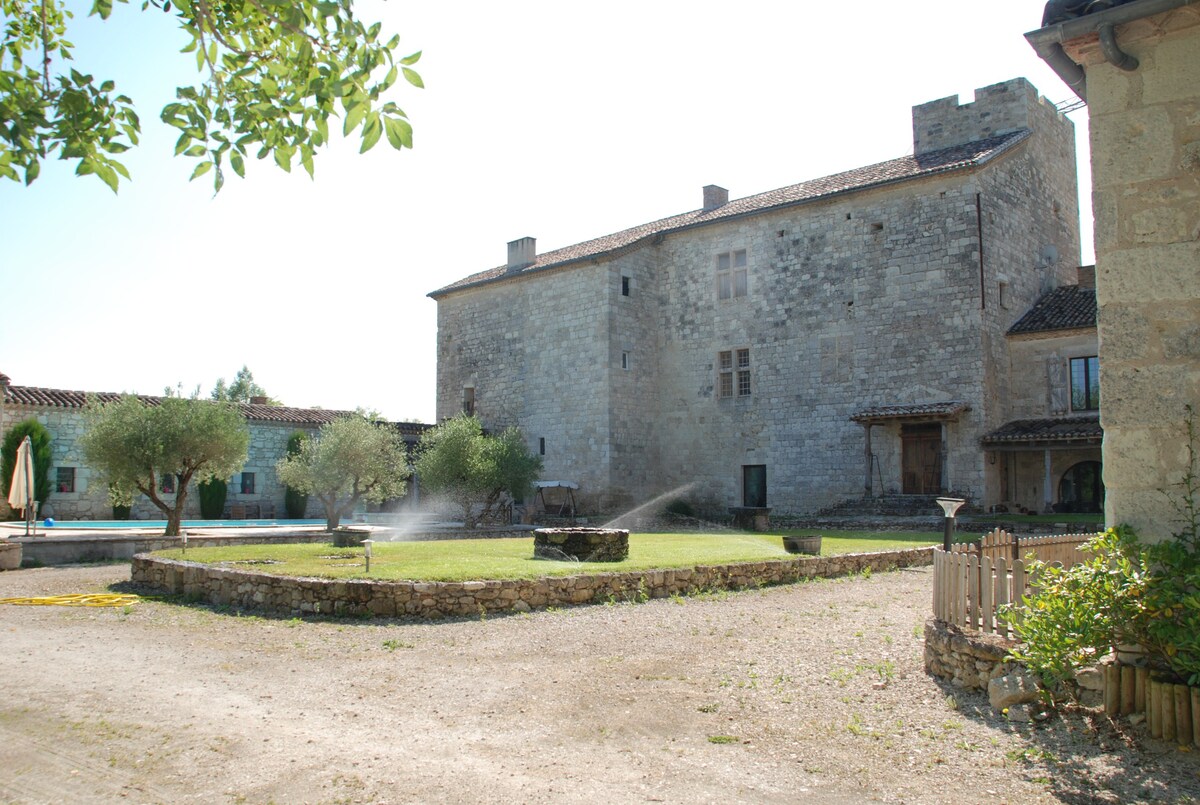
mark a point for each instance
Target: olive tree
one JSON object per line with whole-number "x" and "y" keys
{"x": 136, "y": 442}
{"x": 272, "y": 74}
{"x": 350, "y": 459}
{"x": 473, "y": 469}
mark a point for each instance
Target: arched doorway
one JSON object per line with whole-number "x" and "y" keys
{"x": 1081, "y": 488}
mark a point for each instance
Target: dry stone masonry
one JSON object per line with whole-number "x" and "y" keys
{"x": 224, "y": 586}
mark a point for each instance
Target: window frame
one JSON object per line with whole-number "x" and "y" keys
{"x": 247, "y": 489}
{"x": 59, "y": 483}
{"x": 732, "y": 277}
{"x": 468, "y": 400}
{"x": 734, "y": 373}
{"x": 167, "y": 483}
{"x": 1090, "y": 377}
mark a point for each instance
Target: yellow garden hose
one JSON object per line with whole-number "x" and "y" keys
{"x": 76, "y": 600}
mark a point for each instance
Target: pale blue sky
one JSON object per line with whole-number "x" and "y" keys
{"x": 558, "y": 121}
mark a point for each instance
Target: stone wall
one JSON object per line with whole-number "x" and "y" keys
{"x": 967, "y": 660}
{"x": 356, "y": 597}
{"x": 875, "y": 297}
{"x": 1145, "y": 137}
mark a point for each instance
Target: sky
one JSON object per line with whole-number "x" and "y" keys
{"x": 557, "y": 121}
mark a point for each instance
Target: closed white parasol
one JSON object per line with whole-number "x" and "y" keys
{"x": 20, "y": 494}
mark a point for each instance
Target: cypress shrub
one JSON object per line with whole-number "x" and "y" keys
{"x": 40, "y": 437}
{"x": 295, "y": 503}
{"x": 212, "y": 498}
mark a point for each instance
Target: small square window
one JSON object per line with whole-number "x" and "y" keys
{"x": 166, "y": 484}
{"x": 733, "y": 379}
{"x": 247, "y": 483}
{"x": 65, "y": 480}
{"x": 624, "y": 286}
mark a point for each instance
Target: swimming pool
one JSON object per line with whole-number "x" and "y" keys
{"x": 77, "y": 525}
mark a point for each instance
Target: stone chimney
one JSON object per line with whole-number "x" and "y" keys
{"x": 714, "y": 197}
{"x": 1087, "y": 277}
{"x": 522, "y": 253}
{"x": 260, "y": 401}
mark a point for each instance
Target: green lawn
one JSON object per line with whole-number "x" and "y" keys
{"x": 1085, "y": 519}
{"x": 512, "y": 558}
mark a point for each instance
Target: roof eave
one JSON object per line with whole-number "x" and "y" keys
{"x": 968, "y": 165}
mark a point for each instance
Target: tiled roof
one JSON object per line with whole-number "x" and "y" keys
{"x": 59, "y": 398}
{"x": 1067, "y": 308}
{"x": 896, "y": 170}
{"x": 1057, "y": 11}
{"x": 937, "y": 410}
{"x": 1030, "y": 431}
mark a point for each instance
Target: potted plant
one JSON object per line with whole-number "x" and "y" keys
{"x": 121, "y": 501}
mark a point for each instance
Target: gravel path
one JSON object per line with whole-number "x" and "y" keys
{"x": 809, "y": 692}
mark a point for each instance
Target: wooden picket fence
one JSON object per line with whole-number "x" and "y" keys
{"x": 972, "y": 581}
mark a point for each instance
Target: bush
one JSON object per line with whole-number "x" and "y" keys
{"x": 212, "y": 498}
{"x": 295, "y": 503}
{"x": 681, "y": 508}
{"x": 40, "y": 438}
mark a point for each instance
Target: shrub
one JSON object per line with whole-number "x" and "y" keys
{"x": 212, "y": 498}
{"x": 40, "y": 438}
{"x": 681, "y": 507}
{"x": 295, "y": 503}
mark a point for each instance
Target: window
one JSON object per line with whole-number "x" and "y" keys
{"x": 469, "y": 401}
{"x": 624, "y": 360}
{"x": 1085, "y": 384}
{"x": 1003, "y": 294}
{"x": 733, "y": 373}
{"x": 541, "y": 445}
{"x": 624, "y": 286}
{"x": 166, "y": 484}
{"x": 731, "y": 274}
{"x": 247, "y": 483}
{"x": 65, "y": 482}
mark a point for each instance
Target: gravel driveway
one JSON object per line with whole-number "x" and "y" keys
{"x": 810, "y": 692}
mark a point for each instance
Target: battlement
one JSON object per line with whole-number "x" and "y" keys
{"x": 998, "y": 109}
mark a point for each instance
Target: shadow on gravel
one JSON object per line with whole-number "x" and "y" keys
{"x": 1083, "y": 757}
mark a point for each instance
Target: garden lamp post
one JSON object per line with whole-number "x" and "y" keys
{"x": 367, "y": 543}
{"x": 183, "y": 535}
{"x": 949, "y": 507}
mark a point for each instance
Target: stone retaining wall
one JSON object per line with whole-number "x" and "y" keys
{"x": 285, "y": 595}
{"x": 968, "y": 660}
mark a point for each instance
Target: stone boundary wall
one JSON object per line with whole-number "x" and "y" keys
{"x": 290, "y": 596}
{"x": 39, "y": 551}
{"x": 966, "y": 660}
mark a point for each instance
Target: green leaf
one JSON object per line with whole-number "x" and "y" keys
{"x": 108, "y": 176}
{"x": 196, "y": 151}
{"x": 31, "y": 171}
{"x": 413, "y": 78}
{"x": 239, "y": 165}
{"x": 201, "y": 169}
{"x": 372, "y": 131}
{"x": 101, "y": 8}
{"x": 108, "y": 86}
{"x": 354, "y": 115}
{"x": 412, "y": 59}
{"x": 283, "y": 158}
{"x": 306, "y": 159}
{"x": 399, "y": 133}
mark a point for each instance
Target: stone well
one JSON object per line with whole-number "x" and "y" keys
{"x": 582, "y": 544}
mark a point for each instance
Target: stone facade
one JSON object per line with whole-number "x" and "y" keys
{"x": 875, "y": 293}
{"x": 1145, "y": 137}
{"x": 286, "y": 595}
{"x": 61, "y": 412}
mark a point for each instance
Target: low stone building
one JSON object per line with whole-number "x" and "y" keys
{"x": 1137, "y": 65}
{"x": 1047, "y": 458}
{"x": 834, "y": 338}
{"x": 78, "y": 492}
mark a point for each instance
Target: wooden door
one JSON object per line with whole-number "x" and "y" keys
{"x": 921, "y": 460}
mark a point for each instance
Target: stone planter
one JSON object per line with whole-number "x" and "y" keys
{"x": 349, "y": 537}
{"x": 807, "y": 545}
{"x": 10, "y": 555}
{"x": 581, "y": 544}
